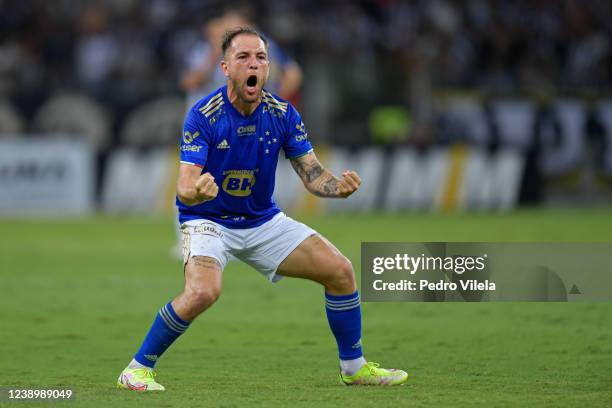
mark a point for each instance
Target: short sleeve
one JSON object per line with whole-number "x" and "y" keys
{"x": 296, "y": 139}
{"x": 195, "y": 140}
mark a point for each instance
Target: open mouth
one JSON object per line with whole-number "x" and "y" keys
{"x": 251, "y": 83}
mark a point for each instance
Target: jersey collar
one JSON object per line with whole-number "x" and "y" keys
{"x": 233, "y": 108}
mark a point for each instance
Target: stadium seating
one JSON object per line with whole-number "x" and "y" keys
{"x": 75, "y": 115}
{"x": 158, "y": 122}
{"x": 11, "y": 123}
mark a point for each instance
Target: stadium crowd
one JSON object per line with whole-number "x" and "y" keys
{"x": 124, "y": 52}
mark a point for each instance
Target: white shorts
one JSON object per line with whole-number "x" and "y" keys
{"x": 263, "y": 247}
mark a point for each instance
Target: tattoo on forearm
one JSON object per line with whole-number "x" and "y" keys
{"x": 308, "y": 170}
{"x": 318, "y": 180}
{"x": 327, "y": 187}
{"x": 314, "y": 171}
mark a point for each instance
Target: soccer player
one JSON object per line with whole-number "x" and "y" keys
{"x": 204, "y": 74}
{"x": 229, "y": 152}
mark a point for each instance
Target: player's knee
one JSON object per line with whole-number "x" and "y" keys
{"x": 202, "y": 297}
{"x": 343, "y": 277}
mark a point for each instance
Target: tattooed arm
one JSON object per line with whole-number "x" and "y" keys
{"x": 322, "y": 182}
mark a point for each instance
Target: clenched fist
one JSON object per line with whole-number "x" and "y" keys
{"x": 206, "y": 188}
{"x": 349, "y": 184}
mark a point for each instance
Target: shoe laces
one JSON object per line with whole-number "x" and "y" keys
{"x": 147, "y": 374}
{"x": 372, "y": 367}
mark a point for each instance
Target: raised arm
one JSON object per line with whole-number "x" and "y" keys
{"x": 322, "y": 182}
{"x": 194, "y": 188}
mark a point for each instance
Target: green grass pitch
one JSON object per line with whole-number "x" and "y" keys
{"x": 77, "y": 297}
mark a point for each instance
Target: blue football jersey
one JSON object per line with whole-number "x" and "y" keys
{"x": 241, "y": 153}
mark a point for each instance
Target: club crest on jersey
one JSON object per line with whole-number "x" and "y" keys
{"x": 238, "y": 183}
{"x": 188, "y": 137}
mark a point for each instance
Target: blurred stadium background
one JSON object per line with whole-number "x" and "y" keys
{"x": 468, "y": 121}
{"x": 465, "y": 105}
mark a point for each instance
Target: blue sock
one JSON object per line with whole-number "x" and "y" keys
{"x": 166, "y": 328}
{"x": 344, "y": 316}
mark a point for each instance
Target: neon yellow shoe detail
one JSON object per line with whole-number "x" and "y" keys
{"x": 138, "y": 379}
{"x": 372, "y": 374}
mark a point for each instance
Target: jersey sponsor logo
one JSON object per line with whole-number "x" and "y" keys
{"x": 246, "y": 130}
{"x": 223, "y": 145}
{"x": 190, "y": 148}
{"x": 303, "y": 134}
{"x": 188, "y": 136}
{"x": 238, "y": 183}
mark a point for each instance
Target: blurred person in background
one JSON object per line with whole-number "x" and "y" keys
{"x": 204, "y": 73}
{"x": 98, "y": 51}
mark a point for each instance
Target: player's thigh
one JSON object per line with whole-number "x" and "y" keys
{"x": 203, "y": 277}
{"x": 317, "y": 259}
{"x": 205, "y": 255}
{"x": 270, "y": 243}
